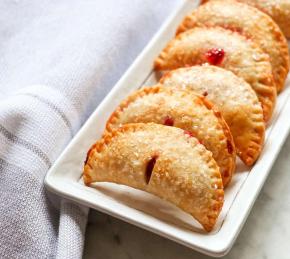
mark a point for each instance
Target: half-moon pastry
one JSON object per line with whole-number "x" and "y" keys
{"x": 185, "y": 110}
{"x": 254, "y": 24}
{"x": 227, "y": 49}
{"x": 235, "y": 99}
{"x": 279, "y": 10}
{"x": 164, "y": 161}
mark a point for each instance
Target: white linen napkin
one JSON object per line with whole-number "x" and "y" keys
{"x": 58, "y": 59}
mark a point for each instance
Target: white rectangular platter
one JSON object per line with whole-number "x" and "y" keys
{"x": 143, "y": 209}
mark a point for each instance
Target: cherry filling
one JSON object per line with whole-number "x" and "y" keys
{"x": 215, "y": 56}
{"x": 191, "y": 134}
{"x": 168, "y": 121}
{"x": 149, "y": 168}
{"x": 230, "y": 147}
{"x": 226, "y": 173}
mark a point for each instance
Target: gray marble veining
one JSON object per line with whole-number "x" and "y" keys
{"x": 266, "y": 233}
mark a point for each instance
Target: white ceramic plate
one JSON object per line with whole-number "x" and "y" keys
{"x": 143, "y": 209}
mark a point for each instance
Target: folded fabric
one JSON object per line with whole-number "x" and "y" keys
{"x": 58, "y": 60}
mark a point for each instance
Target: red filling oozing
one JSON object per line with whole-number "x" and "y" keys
{"x": 168, "y": 121}
{"x": 191, "y": 134}
{"x": 230, "y": 147}
{"x": 215, "y": 56}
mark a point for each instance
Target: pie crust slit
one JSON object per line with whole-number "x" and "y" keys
{"x": 183, "y": 109}
{"x": 234, "y": 98}
{"x": 253, "y": 24}
{"x": 227, "y": 49}
{"x": 183, "y": 173}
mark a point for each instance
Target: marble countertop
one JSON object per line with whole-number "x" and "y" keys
{"x": 266, "y": 233}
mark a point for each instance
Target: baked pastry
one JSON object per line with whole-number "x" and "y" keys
{"x": 254, "y": 24}
{"x": 279, "y": 10}
{"x": 164, "y": 161}
{"x": 227, "y": 49}
{"x": 185, "y": 110}
{"x": 235, "y": 99}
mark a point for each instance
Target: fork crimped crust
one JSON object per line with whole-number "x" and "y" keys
{"x": 241, "y": 56}
{"x": 279, "y": 10}
{"x": 183, "y": 109}
{"x": 253, "y": 24}
{"x": 122, "y": 156}
{"x": 235, "y": 99}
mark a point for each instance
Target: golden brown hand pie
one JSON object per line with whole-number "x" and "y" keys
{"x": 185, "y": 110}
{"x": 227, "y": 49}
{"x": 235, "y": 99}
{"x": 279, "y": 10}
{"x": 253, "y": 24}
{"x": 161, "y": 160}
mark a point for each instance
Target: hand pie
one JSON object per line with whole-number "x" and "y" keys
{"x": 279, "y": 10}
{"x": 254, "y": 24}
{"x": 235, "y": 99}
{"x": 164, "y": 161}
{"x": 226, "y": 49}
{"x": 185, "y": 110}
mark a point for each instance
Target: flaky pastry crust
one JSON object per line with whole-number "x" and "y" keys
{"x": 235, "y": 99}
{"x": 183, "y": 109}
{"x": 240, "y": 55}
{"x": 279, "y": 10}
{"x": 253, "y": 24}
{"x": 183, "y": 172}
